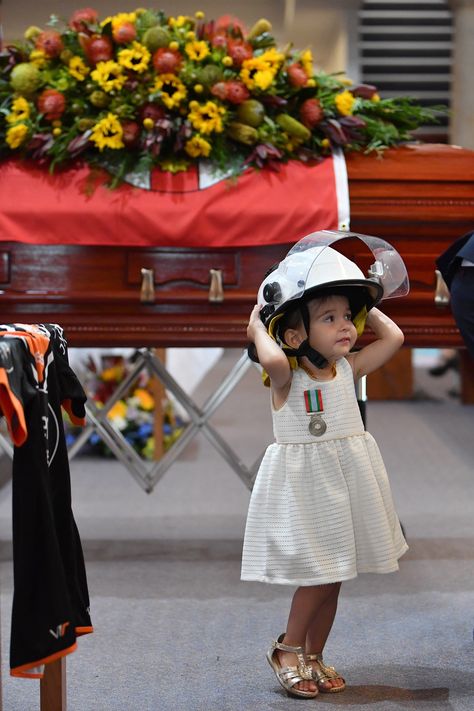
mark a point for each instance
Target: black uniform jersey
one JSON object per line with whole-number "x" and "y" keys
{"x": 50, "y": 597}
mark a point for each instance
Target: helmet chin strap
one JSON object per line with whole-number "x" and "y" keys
{"x": 304, "y": 349}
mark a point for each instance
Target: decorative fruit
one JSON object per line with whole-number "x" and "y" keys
{"x": 156, "y": 37}
{"x": 259, "y": 28}
{"x": 99, "y": 49}
{"x": 210, "y": 74}
{"x": 99, "y": 99}
{"x": 124, "y": 33}
{"x": 66, "y": 56}
{"x": 31, "y": 33}
{"x": 80, "y": 19}
{"x": 297, "y": 75}
{"x": 50, "y": 42}
{"x": 25, "y": 78}
{"x": 167, "y": 61}
{"x": 311, "y": 113}
{"x": 84, "y": 124}
{"x": 242, "y": 133}
{"x": 293, "y": 127}
{"x": 251, "y": 112}
{"x": 51, "y": 103}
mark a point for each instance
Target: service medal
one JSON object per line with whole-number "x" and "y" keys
{"x": 317, "y": 426}
{"x": 313, "y": 400}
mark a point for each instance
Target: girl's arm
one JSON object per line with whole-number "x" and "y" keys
{"x": 389, "y": 338}
{"x": 270, "y": 355}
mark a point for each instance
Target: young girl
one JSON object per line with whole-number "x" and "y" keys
{"x": 321, "y": 509}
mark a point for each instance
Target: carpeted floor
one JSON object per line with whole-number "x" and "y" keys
{"x": 175, "y": 628}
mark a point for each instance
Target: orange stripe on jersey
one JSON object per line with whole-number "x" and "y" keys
{"x": 38, "y": 344}
{"x": 84, "y": 630}
{"x": 13, "y": 411}
{"x": 81, "y": 421}
{"x": 22, "y": 671}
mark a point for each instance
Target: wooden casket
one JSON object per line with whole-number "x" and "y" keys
{"x": 419, "y": 197}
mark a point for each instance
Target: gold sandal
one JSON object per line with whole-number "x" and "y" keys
{"x": 289, "y": 676}
{"x": 322, "y": 672}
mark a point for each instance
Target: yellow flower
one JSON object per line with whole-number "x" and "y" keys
{"x": 197, "y": 51}
{"x": 145, "y": 399}
{"x": 172, "y": 90}
{"x": 38, "y": 58}
{"x": 136, "y": 58}
{"x": 109, "y": 76}
{"x": 197, "y": 146}
{"x": 199, "y": 15}
{"x": 114, "y": 374}
{"x": 306, "y": 60}
{"x": 259, "y": 72}
{"x": 206, "y": 118}
{"x": 376, "y": 98}
{"x": 227, "y": 61}
{"x": 344, "y": 103}
{"x": 120, "y": 19}
{"x": 179, "y": 21}
{"x": 118, "y": 411}
{"x": 16, "y": 135}
{"x": 77, "y": 68}
{"x": 325, "y": 143}
{"x": 20, "y": 110}
{"x": 107, "y": 133}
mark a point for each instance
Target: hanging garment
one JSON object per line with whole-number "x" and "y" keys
{"x": 50, "y": 597}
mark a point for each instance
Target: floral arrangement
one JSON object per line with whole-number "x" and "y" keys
{"x": 133, "y": 415}
{"x": 140, "y": 90}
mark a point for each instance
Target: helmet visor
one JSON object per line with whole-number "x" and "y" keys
{"x": 388, "y": 268}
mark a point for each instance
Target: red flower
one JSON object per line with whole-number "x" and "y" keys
{"x": 98, "y": 49}
{"x": 80, "y": 19}
{"x": 297, "y": 75}
{"x": 236, "y": 92}
{"x": 51, "y": 103}
{"x": 152, "y": 111}
{"x": 311, "y": 113}
{"x": 167, "y": 61}
{"x": 131, "y": 133}
{"x": 50, "y": 42}
{"x": 125, "y": 33}
{"x": 239, "y": 51}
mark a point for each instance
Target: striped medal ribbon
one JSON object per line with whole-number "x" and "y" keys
{"x": 313, "y": 400}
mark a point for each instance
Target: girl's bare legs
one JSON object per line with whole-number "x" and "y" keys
{"x": 312, "y": 606}
{"x": 320, "y": 627}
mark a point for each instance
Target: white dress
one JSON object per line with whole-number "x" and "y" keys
{"x": 321, "y": 510}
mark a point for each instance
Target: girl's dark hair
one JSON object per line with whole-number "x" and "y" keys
{"x": 356, "y": 296}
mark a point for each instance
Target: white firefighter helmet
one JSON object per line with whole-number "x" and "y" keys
{"x": 312, "y": 266}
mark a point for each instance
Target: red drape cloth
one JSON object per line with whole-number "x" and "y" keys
{"x": 259, "y": 208}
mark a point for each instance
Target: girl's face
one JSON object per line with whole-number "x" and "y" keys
{"x": 332, "y": 332}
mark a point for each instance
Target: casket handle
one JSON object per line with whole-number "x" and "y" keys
{"x": 147, "y": 291}
{"x": 441, "y": 297}
{"x": 216, "y": 288}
